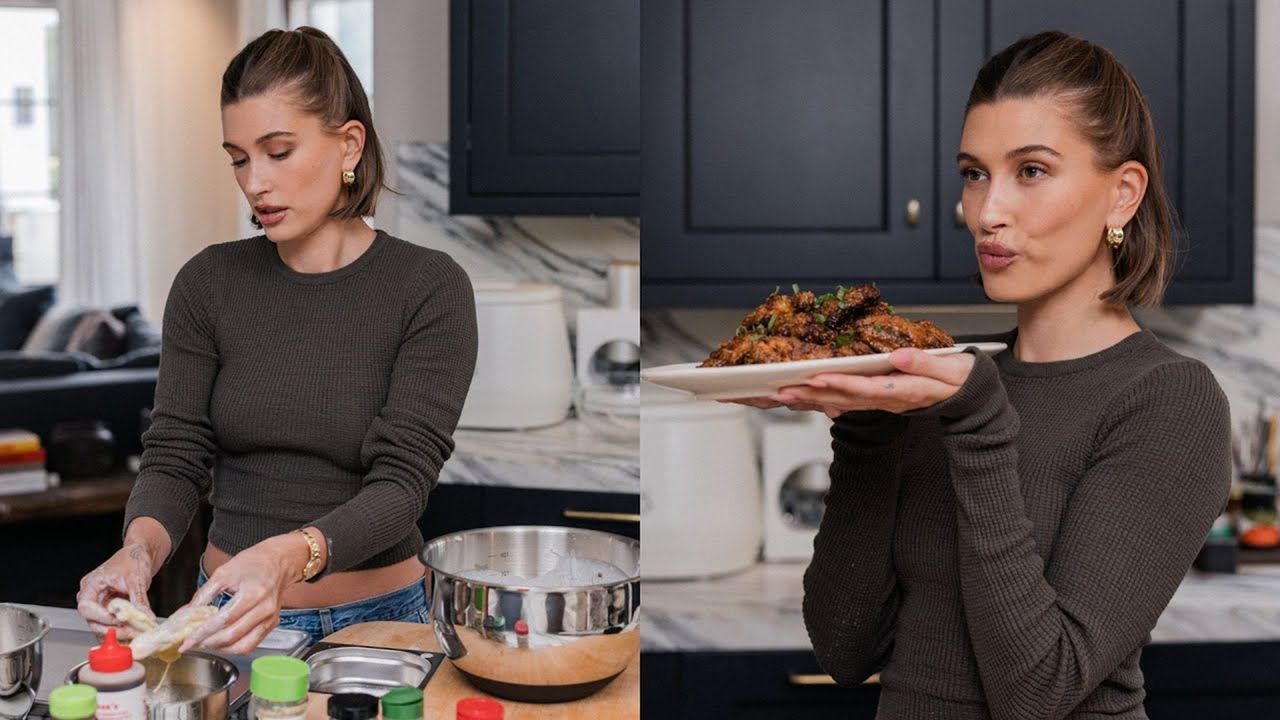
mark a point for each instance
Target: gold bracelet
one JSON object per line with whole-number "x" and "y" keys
{"x": 312, "y": 567}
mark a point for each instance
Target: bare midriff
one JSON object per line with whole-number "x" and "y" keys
{"x": 338, "y": 588}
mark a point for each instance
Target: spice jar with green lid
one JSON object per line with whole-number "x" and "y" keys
{"x": 403, "y": 703}
{"x": 278, "y": 688}
{"x": 73, "y": 702}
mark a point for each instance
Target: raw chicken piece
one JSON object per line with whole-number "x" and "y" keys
{"x": 163, "y": 641}
{"x": 131, "y": 615}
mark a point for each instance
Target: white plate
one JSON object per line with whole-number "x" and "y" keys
{"x": 741, "y": 381}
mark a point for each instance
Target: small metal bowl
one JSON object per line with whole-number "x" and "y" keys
{"x": 577, "y": 639}
{"x": 201, "y": 682}
{"x": 21, "y": 655}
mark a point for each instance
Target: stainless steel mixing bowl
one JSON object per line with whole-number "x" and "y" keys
{"x": 198, "y": 687}
{"x": 21, "y": 656}
{"x": 578, "y": 639}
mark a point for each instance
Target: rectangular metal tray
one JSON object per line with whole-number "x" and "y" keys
{"x": 338, "y": 668}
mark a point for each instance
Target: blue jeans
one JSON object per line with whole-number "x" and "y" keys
{"x": 408, "y": 604}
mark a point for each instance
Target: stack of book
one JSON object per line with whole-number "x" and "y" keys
{"x": 22, "y": 463}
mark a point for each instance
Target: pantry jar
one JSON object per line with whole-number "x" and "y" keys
{"x": 278, "y": 688}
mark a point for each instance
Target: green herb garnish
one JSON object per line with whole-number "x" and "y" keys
{"x": 772, "y": 320}
{"x": 795, "y": 289}
{"x": 820, "y": 317}
{"x": 756, "y": 337}
{"x": 823, "y": 298}
{"x": 844, "y": 339}
{"x": 776, "y": 288}
{"x": 877, "y": 326}
{"x": 891, "y": 310}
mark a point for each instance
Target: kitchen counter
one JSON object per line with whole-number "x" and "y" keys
{"x": 759, "y": 609}
{"x": 619, "y": 700}
{"x": 565, "y": 456}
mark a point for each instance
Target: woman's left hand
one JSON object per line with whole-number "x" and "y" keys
{"x": 256, "y": 578}
{"x": 922, "y": 380}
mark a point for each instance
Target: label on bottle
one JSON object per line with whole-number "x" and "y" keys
{"x": 128, "y": 704}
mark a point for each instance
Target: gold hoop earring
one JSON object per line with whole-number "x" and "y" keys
{"x": 1115, "y": 236}
{"x": 348, "y": 177}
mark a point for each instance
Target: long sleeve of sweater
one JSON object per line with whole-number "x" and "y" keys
{"x": 178, "y": 447}
{"x": 1047, "y": 631}
{"x": 412, "y": 436}
{"x": 851, "y": 598}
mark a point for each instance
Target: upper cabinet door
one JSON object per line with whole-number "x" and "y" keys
{"x": 785, "y": 143}
{"x": 545, "y": 112}
{"x": 1195, "y": 64}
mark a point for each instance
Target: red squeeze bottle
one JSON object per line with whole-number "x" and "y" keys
{"x": 120, "y": 681}
{"x": 479, "y": 708}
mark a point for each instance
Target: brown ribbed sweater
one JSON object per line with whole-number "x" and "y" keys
{"x": 1006, "y": 552}
{"x": 325, "y": 399}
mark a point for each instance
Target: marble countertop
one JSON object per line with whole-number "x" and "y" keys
{"x": 565, "y": 456}
{"x": 759, "y": 609}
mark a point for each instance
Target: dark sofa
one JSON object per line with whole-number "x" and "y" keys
{"x": 50, "y": 384}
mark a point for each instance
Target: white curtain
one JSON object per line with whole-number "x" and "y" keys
{"x": 255, "y": 18}
{"x": 99, "y": 258}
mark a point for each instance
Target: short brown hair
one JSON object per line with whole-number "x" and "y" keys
{"x": 1110, "y": 111}
{"x": 307, "y": 63}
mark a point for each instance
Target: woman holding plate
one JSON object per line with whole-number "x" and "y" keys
{"x": 1002, "y": 532}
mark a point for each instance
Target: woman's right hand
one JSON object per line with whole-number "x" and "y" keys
{"x": 125, "y": 574}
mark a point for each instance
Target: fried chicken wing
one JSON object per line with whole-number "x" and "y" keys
{"x": 801, "y": 326}
{"x": 886, "y": 333}
{"x": 730, "y": 352}
{"x": 755, "y": 350}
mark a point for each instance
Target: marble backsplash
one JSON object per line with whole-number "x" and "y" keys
{"x": 1241, "y": 344}
{"x": 572, "y": 252}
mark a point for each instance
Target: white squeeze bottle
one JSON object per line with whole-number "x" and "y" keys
{"x": 121, "y": 682}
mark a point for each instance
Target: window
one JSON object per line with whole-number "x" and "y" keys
{"x": 349, "y": 23}
{"x": 28, "y": 143}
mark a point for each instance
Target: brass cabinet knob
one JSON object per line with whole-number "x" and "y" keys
{"x": 808, "y": 680}
{"x": 913, "y": 212}
{"x": 571, "y": 514}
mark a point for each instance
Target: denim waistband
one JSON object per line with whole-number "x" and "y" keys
{"x": 407, "y": 604}
{"x": 393, "y": 604}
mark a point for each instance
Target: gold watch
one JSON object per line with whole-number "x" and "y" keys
{"x": 312, "y": 567}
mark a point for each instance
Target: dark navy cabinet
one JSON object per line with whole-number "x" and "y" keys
{"x": 784, "y": 145}
{"x": 1184, "y": 681}
{"x": 451, "y": 508}
{"x": 818, "y": 147}
{"x": 545, "y": 107}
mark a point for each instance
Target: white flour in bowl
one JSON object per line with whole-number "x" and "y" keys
{"x": 572, "y": 570}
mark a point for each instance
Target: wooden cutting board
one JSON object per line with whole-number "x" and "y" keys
{"x": 619, "y": 699}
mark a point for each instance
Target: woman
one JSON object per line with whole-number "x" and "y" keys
{"x": 323, "y": 366}
{"x": 1002, "y": 533}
